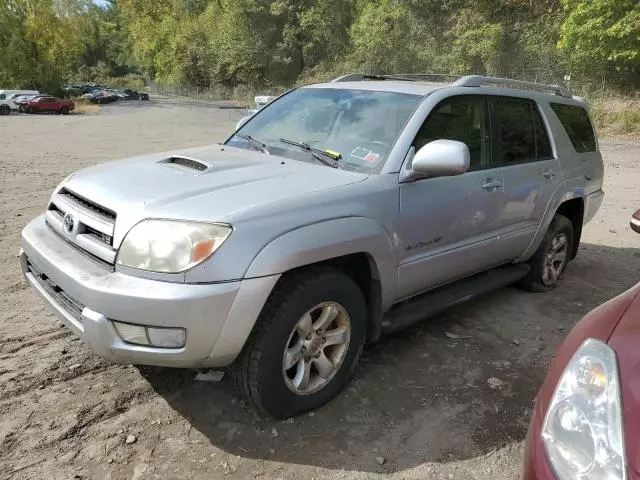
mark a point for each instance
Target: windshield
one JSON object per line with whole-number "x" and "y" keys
{"x": 359, "y": 125}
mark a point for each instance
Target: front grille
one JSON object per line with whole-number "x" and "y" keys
{"x": 83, "y": 223}
{"x": 70, "y": 304}
{"x": 100, "y": 210}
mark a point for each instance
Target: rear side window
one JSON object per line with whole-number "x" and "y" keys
{"x": 577, "y": 124}
{"x": 519, "y": 131}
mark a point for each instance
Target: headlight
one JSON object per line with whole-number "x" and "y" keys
{"x": 170, "y": 246}
{"x": 582, "y": 431}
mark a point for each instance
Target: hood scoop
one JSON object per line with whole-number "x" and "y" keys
{"x": 186, "y": 163}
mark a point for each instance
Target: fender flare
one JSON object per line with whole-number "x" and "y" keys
{"x": 327, "y": 240}
{"x": 562, "y": 194}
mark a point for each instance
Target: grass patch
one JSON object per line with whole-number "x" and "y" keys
{"x": 617, "y": 117}
{"x": 85, "y": 106}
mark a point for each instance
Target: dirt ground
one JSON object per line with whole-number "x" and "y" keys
{"x": 419, "y": 408}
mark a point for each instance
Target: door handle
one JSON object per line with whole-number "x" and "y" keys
{"x": 548, "y": 174}
{"x": 492, "y": 185}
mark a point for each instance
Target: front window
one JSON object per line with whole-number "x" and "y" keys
{"x": 360, "y": 125}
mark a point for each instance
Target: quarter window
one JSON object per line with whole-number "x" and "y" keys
{"x": 464, "y": 119}
{"x": 521, "y": 136}
{"x": 577, "y": 124}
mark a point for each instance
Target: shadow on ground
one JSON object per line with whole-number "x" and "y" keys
{"x": 419, "y": 395}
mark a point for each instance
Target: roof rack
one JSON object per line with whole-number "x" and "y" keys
{"x": 405, "y": 77}
{"x": 482, "y": 81}
{"x": 458, "y": 81}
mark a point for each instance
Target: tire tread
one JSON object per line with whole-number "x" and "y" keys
{"x": 244, "y": 371}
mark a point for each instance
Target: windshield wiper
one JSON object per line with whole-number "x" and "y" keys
{"x": 255, "y": 143}
{"x": 328, "y": 157}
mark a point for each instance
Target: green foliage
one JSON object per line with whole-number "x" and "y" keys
{"x": 270, "y": 44}
{"x": 596, "y": 32}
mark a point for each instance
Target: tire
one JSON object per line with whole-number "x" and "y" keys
{"x": 32, "y": 110}
{"x": 5, "y": 110}
{"x": 546, "y": 275}
{"x": 259, "y": 371}
{"x": 64, "y": 110}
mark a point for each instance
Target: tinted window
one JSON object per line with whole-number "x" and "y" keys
{"x": 576, "y": 123}
{"x": 465, "y": 119}
{"x": 521, "y": 136}
{"x": 2, "y": 96}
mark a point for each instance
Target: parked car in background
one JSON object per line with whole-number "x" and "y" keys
{"x": 49, "y": 104}
{"x": 22, "y": 100}
{"x": 260, "y": 102}
{"x": 135, "y": 95}
{"x": 586, "y": 420}
{"x": 7, "y": 98}
{"x": 338, "y": 212}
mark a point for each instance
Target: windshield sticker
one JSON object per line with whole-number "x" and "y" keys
{"x": 365, "y": 155}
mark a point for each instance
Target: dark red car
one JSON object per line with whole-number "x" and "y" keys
{"x": 586, "y": 421}
{"x": 49, "y": 104}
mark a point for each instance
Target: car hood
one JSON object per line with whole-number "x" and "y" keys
{"x": 215, "y": 183}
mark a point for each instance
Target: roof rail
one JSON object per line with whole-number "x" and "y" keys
{"x": 480, "y": 81}
{"x": 405, "y": 77}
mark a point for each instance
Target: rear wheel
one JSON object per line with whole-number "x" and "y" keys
{"x": 306, "y": 343}
{"x": 550, "y": 261}
{"x": 32, "y": 110}
{"x": 64, "y": 110}
{"x": 5, "y": 109}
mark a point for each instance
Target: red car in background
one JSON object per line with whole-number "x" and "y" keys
{"x": 49, "y": 104}
{"x": 586, "y": 421}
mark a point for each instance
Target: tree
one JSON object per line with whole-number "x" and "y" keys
{"x": 602, "y": 32}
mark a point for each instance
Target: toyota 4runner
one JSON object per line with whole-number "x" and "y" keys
{"x": 338, "y": 212}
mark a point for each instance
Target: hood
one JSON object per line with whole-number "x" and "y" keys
{"x": 214, "y": 183}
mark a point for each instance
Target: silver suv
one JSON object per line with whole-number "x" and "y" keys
{"x": 338, "y": 212}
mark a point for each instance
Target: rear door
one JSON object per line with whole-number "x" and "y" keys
{"x": 525, "y": 160}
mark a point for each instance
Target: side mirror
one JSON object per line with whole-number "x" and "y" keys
{"x": 635, "y": 222}
{"x": 242, "y": 121}
{"x": 441, "y": 158}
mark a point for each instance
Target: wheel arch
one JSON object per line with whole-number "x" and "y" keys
{"x": 567, "y": 202}
{"x": 357, "y": 246}
{"x": 573, "y": 209}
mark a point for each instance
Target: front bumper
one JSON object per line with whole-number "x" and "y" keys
{"x": 87, "y": 295}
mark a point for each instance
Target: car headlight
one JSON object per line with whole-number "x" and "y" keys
{"x": 582, "y": 431}
{"x": 170, "y": 246}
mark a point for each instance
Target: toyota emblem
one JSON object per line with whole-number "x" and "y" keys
{"x": 67, "y": 221}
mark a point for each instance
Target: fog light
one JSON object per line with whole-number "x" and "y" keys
{"x": 166, "y": 337}
{"x": 151, "y": 336}
{"x": 132, "y": 333}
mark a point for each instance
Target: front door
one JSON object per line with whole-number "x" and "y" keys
{"x": 448, "y": 225}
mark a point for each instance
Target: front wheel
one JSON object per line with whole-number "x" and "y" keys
{"x": 5, "y": 110}
{"x": 64, "y": 110}
{"x": 306, "y": 343}
{"x": 550, "y": 261}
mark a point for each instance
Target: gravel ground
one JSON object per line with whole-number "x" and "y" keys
{"x": 420, "y": 406}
